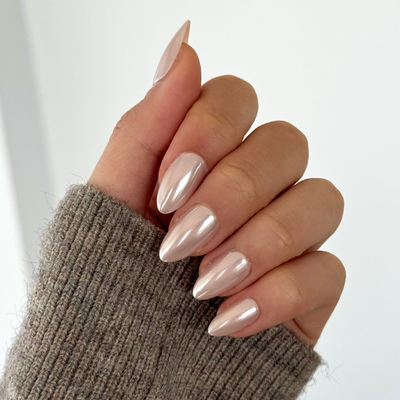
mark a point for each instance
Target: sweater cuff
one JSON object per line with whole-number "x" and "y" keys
{"x": 108, "y": 319}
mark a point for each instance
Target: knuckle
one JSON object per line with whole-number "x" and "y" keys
{"x": 216, "y": 120}
{"x": 334, "y": 194}
{"x": 283, "y": 240}
{"x": 240, "y": 177}
{"x": 128, "y": 120}
{"x": 228, "y": 104}
{"x": 238, "y": 86}
{"x": 330, "y": 191}
{"x": 337, "y": 267}
{"x": 291, "y": 288}
{"x": 334, "y": 266}
{"x": 288, "y": 141}
{"x": 126, "y": 129}
{"x": 291, "y": 132}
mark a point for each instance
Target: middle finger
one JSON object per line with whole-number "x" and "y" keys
{"x": 270, "y": 159}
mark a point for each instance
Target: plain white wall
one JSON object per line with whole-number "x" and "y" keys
{"x": 12, "y": 277}
{"x": 330, "y": 68}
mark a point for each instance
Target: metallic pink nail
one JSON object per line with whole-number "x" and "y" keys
{"x": 191, "y": 231}
{"x": 171, "y": 51}
{"x": 224, "y": 272}
{"x": 180, "y": 181}
{"x": 234, "y": 318}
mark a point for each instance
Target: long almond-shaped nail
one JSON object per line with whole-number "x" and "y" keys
{"x": 171, "y": 51}
{"x": 234, "y": 318}
{"x": 180, "y": 181}
{"x": 224, "y": 272}
{"x": 190, "y": 232}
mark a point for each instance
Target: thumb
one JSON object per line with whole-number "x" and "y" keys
{"x": 128, "y": 168}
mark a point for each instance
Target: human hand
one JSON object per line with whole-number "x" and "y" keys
{"x": 236, "y": 202}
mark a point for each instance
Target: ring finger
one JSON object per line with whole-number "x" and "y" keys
{"x": 307, "y": 214}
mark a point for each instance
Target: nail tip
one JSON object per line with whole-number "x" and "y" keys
{"x": 163, "y": 209}
{"x": 166, "y": 256}
{"x": 213, "y": 331}
{"x": 193, "y": 229}
{"x": 185, "y": 29}
{"x": 162, "y": 254}
{"x": 197, "y": 294}
{"x": 160, "y": 204}
{"x": 200, "y": 294}
{"x": 163, "y": 206}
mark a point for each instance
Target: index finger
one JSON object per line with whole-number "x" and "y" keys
{"x": 127, "y": 170}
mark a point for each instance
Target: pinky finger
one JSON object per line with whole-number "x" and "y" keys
{"x": 307, "y": 288}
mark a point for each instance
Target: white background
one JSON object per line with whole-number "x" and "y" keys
{"x": 70, "y": 69}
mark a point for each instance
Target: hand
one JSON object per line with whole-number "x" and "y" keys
{"x": 236, "y": 202}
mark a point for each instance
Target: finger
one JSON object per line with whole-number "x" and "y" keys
{"x": 298, "y": 288}
{"x": 213, "y": 127}
{"x": 302, "y": 217}
{"x": 128, "y": 168}
{"x": 271, "y": 158}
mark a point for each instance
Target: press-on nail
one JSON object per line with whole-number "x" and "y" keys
{"x": 234, "y": 318}
{"x": 190, "y": 232}
{"x": 180, "y": 181}
{"x": 224, "y": 272}
{"x": 171, "y": 51}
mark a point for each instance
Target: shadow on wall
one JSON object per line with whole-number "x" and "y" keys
{"x": 23, "y": 129}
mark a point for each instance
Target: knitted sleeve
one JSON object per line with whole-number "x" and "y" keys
{"x": 107, "y": 319}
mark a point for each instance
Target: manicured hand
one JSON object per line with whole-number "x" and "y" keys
{"x": 178, "y": 157}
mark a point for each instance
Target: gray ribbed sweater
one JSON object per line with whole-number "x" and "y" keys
{"x": 107, "y": 319}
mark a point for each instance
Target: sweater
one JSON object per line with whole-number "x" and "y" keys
{"x": 107, "y": 319}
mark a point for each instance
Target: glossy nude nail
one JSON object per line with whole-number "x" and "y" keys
{"x": 224, "y": 272}
{"x": 190, "y": 232}
{"x": 171, "y": 51}
{"x": 234, "y": 318}
{"x": 180, "y": 181}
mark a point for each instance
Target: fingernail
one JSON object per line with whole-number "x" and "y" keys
{"x": 171, "y": 51}
{"x": 225, "y": 272}
{"x": 180, "y": 181}
{"x": 190, "y": 232}
{"x": 234, "y": 318}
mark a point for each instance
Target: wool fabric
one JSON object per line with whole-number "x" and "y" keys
{"x": 107, "y": 319}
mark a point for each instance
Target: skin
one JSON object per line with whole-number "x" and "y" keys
{"x": 253, "y": 186}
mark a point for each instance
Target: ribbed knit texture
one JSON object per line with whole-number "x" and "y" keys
{"x": 107, "y": 319}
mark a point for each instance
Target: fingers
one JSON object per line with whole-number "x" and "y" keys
{"x": 308, "y": 287}
{"x": 128, "y": 168}
{"x": 270, "y": 159}
{"x": 307, "y": 214}
{"x": 213, "y": 127}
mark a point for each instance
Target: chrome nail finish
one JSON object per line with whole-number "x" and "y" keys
{"x": 180, "y": 181}
{"x": 224, "y": 272}
{"x": 190, "y": 232}
{"x": 171, "y": 51}
{"x": 234, "y": 318}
